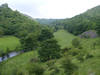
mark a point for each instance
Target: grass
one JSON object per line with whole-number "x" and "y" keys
{"x": 10, "y": 42}
{"x": 90, "y": 67}
{"x": 11, "y": 65}
{"x": 64, "y": 38}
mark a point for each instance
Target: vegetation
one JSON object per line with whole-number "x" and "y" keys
{"x": 51, "y": 49}
{"x": 64, "y": 38}
{"x": 76, "y": 42}
{"x": 68, "y": 66}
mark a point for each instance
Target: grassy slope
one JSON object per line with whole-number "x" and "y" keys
{"x": 19, "y": 62}
{"x": 89, "y": 66}
{"x": 92, "y": 65}
{"x": 64, "y": 38}
{"x": 10, "y": 42}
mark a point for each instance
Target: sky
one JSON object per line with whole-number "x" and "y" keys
{"x": 55, "y": 9}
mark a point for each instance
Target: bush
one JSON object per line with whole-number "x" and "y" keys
{"x": 68, "y": 66}
{"x": 76, "y": 43}
{"x": 35, "y": 68}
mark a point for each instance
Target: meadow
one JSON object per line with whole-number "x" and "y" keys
{"x": 9, "y": 42}
{"x": 64, "y": 38}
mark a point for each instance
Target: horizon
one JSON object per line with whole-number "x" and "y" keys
{"x": 51, "y": 9}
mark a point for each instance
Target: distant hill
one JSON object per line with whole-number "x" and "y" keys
{"x": 48, "y": 21}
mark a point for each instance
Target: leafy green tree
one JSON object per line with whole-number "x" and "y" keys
{"x": 45, "y": 34}
{"x": 49, "y": 50}
{"x": 30, "y": 42}
{"x": 1, "y": 32}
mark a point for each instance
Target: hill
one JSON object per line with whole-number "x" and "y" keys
{"x": 46, "y": 21}
{"x": 14, "y": 22}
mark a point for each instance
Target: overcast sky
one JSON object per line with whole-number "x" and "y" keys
{"x": 51, "y": 8}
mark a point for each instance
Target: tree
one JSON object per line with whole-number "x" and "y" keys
{"x": 1, "y": 31}
{"x": 45, "y": 34}
{"x": 2, "y": 54}
{"x": 7, "y": 52}
{"x": 49, "y": 50}
{"x": 98, "y": 28}
{"x": 30, "y": 42}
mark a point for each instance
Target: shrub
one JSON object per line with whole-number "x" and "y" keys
{"x": 76, "y": 43}
{"x": 68, "y": 66}
{"x": 35, "y": 68}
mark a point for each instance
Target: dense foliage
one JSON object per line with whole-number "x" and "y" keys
{"x": 49, "y": 50}
{"x": 15, "y": 23}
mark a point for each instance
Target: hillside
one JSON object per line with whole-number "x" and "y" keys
{"x": 14, "y": 22}
{"x": 83, "y": 22}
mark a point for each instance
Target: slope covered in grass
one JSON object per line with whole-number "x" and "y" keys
{"x": 10, "y": 42}
{"x": 11, "y": 65}
{"x": 90, "y": 67}
{"x": 64, "y": 38}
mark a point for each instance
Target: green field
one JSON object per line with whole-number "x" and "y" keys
{"x": 64, "y": 38}
{"x": 10, "y": 42}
